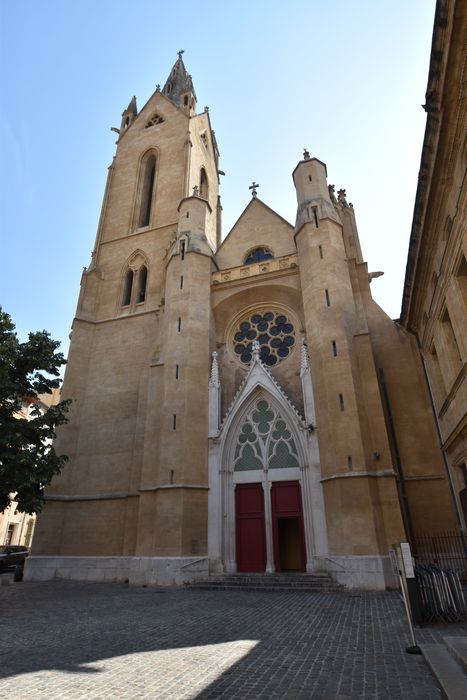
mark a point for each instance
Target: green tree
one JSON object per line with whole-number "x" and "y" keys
{"x": 27, "y": 459}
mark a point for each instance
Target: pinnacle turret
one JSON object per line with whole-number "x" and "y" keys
{"x": 179, "y": 86}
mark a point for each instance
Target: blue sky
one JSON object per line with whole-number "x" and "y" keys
{"x": 344, "y": 78}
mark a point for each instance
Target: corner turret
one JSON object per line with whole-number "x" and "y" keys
{"x": 313, "y": 199}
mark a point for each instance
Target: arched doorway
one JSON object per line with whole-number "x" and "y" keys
{"x": 269, "y": 528}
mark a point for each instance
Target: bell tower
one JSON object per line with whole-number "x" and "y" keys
{"x": 351, "y": 430}
{"x": 138, "y": 367}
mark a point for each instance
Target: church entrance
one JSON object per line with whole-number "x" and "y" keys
{"x": 287, "y": 526}
{"x": 251, "y": 536}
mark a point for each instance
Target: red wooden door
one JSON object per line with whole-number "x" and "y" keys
{"x": 287, "y": 526}
{"x": 251, "y": 539}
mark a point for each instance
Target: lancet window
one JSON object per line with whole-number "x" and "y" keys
{"x": 146, "y": 190}
{"x": 135, "y": 281}
{"x": 203, "y": 184}
{"x": 265, "y": 441}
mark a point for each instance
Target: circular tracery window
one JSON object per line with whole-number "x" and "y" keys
{"x": 274, "y": 332}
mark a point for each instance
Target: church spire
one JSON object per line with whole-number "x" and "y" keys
{"x": 179, "y": 86}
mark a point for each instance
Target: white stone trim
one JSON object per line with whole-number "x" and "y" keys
{"x": 366, "y": 572}
{"x": 137, "y": 571}
{"x": 222, "y": 478}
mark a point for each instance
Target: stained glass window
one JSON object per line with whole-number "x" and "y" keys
{"x": 274, "y": 332}
{"x": 257, "y": 255}
{"x": 264, "y": 442}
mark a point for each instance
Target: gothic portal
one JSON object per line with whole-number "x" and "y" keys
{"x": 238, "y": 404}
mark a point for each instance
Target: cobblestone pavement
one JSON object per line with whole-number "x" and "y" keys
{"x": 85, "y": 640}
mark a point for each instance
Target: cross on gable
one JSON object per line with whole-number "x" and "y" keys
{"x": 253, "y": 187}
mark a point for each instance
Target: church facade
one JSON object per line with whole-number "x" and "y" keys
{"x": 239, "y": 404}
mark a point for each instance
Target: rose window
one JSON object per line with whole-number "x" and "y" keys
{"x": 274, "y": 333}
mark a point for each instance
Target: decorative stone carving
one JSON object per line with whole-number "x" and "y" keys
{"x": 214, "y": 379}
{"x": 332, "y": 194}
{"x": 341, "y": 198}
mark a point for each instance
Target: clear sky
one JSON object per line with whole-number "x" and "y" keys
{"x": 344, "y": 78}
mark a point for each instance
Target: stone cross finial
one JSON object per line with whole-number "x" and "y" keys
{"x": 196, "y": 191}
{"x": 304, "y": 358}
{"x": 306, "y": 154}
{"x": 214, "y": 379}
{"x": 256, "y": 348}
{"x": 253, "y": 187}
{"x": 180, "y": 53}
{"x": 158, "y": 87}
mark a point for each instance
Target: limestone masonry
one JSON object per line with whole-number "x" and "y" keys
{"x": 241, "y": 405}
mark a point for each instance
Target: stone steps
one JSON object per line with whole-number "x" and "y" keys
{"x": 268, "y": 582}
{"x": 448, "y": 664}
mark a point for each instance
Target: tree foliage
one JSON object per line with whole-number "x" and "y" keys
{"x": 27, "y": 459}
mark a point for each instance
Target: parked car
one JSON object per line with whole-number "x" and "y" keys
{"x": 11, "y": 555}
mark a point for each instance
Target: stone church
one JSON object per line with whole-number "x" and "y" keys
{"x": 240, "y": 404}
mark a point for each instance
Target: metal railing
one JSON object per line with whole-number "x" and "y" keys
{"x": 446, "y": 550}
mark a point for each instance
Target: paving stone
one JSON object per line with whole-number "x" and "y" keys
{"x": 75, "y": 640}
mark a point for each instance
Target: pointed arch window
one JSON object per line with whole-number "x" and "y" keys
{"x": 148, "y": 178}
{"x": 142, "y": 283}
{"x": 127, "y": 288}
{"x": 203, "y": 184}
{"x": 134, "y": 282}
{"x": 265, "y": 441}
{"x": 257, "y": 255}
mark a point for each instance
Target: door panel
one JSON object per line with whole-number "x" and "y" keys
{"x": 250, "y": 529}
{"x": 287, "y": 524}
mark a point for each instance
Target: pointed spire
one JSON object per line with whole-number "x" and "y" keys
{"x": 214, "y": 379}
{"x": 179, "y": 85}
{"x": 304, "y": 358}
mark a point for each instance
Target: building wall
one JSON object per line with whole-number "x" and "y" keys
{"x": 435, "y": 294}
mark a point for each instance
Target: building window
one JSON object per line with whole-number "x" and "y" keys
{"x": 142, "y": 282}
{"x": 257, "y": 255}
{"x": 127, "y": 288}
{"x": 265, "y": 440}
{"x": 203, "y": 184}
{"x": 155, "y": 119}
{"x": 274, "y": 332}
{"x": 147, "y": 190}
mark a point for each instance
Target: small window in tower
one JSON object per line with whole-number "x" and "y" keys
{"x": 203, "y": 184}
{"x": 127, "y": 122}
{"x": 334, "y": 348}
{"x": 328, "y": 299}
{"x": 315, "y": 216}
{"x": 182, "y": 249}
{"x": 204, "y": 140}
{"x": 341, "y": 402}
{"x": 147, "y": 191}
{"x": 257, "y": 255}
{"x": 168, "y": 89}
{"x": 320, "y": 248}
{"x": 185, "y": 100}
{"x": 142, "y": 281}
{"x": 127, "y": 287}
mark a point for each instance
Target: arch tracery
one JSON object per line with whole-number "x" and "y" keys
{"x": 264, "y": 440}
